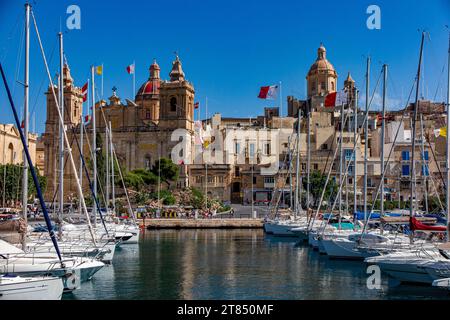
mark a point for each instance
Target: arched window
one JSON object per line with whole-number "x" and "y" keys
{"x": 173, "y": 104}
{"x": 11, "y": 153}
{"x": 148, "y": 162}
{"x": 332, "y": 86}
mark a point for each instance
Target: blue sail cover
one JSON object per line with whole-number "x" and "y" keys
{"x": 375, "y": 215}
{"x": 439, "y": 218}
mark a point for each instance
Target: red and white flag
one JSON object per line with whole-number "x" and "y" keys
{"x": 84, "y": 91}
{"x": 196, "y": 105}
{"x": 130, "y": 69}
{"x": 87, "y": 119}
{"x": 268, "y": 92}
{"x": 336, "y": 99}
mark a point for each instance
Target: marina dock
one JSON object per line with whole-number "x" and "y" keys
{"x": 242, "y": 223}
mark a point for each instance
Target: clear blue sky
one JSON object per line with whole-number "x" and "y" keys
{"x": 228, "y": 48}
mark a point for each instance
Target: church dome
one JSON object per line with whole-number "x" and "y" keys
{"x": 321, "y": 63}
{"x": 151, "y": 86}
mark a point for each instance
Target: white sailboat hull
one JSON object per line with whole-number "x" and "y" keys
{"x": 38, "y": 288}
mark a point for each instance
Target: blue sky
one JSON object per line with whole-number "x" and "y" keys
{"x": 228, "y": 48}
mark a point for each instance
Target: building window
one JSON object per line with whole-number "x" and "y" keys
{"x": 350, "y": 180}
{"x": 303, "y": 166}
{"x": 349, "y": 154}
{"x": 237, "y": 147}
{"x": 147, "y": 114}
{"x": 254, "y": 180}
{"x": 220, "y": 179}
{"x": 425, "y": 155}
{"x": 405, "y": 170}
{"x": 173, "y": 104}
{"x": 210, "y": 179}
{"x": 267, "y": 149}
{"x": 316, "y": 166}
{"x": 425, "y": 171}
{"x": 199, "y": 179}
{"x": 252, "y": 150}
{"x": 324, "y": 146}
{"x": 236, "y": 171}
{"x": 148, "y": 162}
{"x": 405, "y": 155}
{"x": 269, "y": 180}
{"x": 236, "y": 187}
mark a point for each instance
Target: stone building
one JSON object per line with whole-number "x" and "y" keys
{"x": 11, "y": 148}
{"x": 242, "y": 168}
{"x": 142, "y": 129}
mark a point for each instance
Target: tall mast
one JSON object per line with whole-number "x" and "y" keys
{"x": 448, "y": 142}
{"x": 291, "y": 198}
{"x": 308, "y": 157}
{"x": 424, "y": 164}
{"x": 297, "y": 167}
{"x": 355, "y": 159}
{"x": 81, "y": 146}
{"x": 94, "y": 140}
{"x": 61, "y": 129}
{"x": 366, "y": 138}
{"x": 206, "y": 164}
{"x": 413, "y": 137}
{"x": 113, "y": 189}
{"x": 341, "y": 158}
{"x": 25, "y": 118}
{"x": 383, "y": 114}
{"x": 107, "y": 166}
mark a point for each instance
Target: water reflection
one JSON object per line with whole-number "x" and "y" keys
{"x": 234, "y": 264}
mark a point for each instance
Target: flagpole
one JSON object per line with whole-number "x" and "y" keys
{"x": 206, "y": 165}
{"x": 281, "y": 102}
{"x": 94, "y": 142}
{"x": 102, "y": 79}
{"x": 134, "y": 79}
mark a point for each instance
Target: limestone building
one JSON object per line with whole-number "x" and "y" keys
{"x": 141, "y": 129}
{"x": 11, "y": 148}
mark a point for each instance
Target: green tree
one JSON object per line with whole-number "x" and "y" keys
{"x": 133, "y": 180}
{"x": 11, "y": 182}
{"x": 317, "y": 183}
{"x": 167, "y": 170}
{"x": 433, "y": 203}
{"x": 148, "y": 177}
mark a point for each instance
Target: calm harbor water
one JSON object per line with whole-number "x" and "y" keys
{"x": 234, "y": 264}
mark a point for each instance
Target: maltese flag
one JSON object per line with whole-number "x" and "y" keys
{"x": 84, "y": 91}
{"x": 130, "y": 69}
{"x": 268, "y": 92}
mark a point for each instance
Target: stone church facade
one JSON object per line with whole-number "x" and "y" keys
{"x": 141, "y": 129}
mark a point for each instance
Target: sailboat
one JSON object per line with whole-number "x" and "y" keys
{"x": 423, "y": 265}
{"x": 285, "y": 228}
{"x": 14, "y": 260}
{"x": 30, "y": 288}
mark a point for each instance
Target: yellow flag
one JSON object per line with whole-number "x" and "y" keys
{"x": 99, "y": 69}
{"x": 443, "y": 132}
